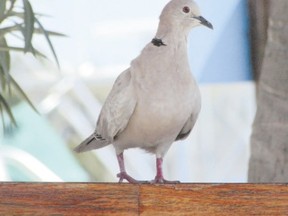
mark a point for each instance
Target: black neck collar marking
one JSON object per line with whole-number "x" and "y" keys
{"x": 157, "y": 42}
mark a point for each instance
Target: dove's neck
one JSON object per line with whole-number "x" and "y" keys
{"x": 169, "y": 34}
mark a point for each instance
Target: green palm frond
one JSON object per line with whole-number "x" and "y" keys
{"x": 27, "y": 25}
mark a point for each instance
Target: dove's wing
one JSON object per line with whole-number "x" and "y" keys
{"x": 118, "y": 108}
{"x": 187, "y": 127}
{"x": 114, "y": 115}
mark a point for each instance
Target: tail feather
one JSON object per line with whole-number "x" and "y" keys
{"x": 91, "y": 143}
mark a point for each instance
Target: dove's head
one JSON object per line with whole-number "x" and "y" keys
{"x": 183, "y": 13}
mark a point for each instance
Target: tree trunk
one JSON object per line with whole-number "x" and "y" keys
{"x": 269, "y": 140}
{"x": 259, "y": 14}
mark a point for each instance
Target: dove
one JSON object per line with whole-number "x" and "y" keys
{"x": 156, "y": 101}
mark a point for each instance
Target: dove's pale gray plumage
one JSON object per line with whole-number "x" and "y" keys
{"x": 156, "y": 101}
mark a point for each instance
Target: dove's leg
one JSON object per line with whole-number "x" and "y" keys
{"x": 159, "y": 175}
{"x": 123, "y": 175}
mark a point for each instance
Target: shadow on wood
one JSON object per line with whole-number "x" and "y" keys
{"x": 145, "y": 199}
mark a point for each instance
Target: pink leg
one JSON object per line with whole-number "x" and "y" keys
{"x": 123, "y": 175}
{"x": 159, "y": 179}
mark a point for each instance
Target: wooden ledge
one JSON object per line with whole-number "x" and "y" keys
{"x": 145, "y": 199}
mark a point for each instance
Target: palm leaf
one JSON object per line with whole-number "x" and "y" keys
{"x": 20, "y": 49}
{"x": 18, "y": 27}
{"x": 3, "y": 79}
{"x": 2, "y": 116}
{"x": 27, "y": 29}
{"x": 50, "y": 33}
{"x": 6, "y": 107}
{"x": 46, "y": 34}
{"x": 4, "y": 56}
{"x": 2, "y": 8}
{"x": 17, "y": 87}
{"x": 22, "y": 93}
{"x": 9, "y": 48}
{"x": 28, "y": 25}
{"x": 4, "y": 63}
{"x": 9, "y": 29}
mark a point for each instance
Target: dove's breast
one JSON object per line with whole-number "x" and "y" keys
{"x": 167, "y": 95}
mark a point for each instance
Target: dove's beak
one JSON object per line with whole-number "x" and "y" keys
{"x": 204, "y": 22}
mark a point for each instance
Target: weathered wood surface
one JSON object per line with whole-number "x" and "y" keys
{"x": 145, "y": 199}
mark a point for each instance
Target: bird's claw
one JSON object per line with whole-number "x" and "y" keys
{"x": 124, "y": 176}
{"x": 161, "y": 180}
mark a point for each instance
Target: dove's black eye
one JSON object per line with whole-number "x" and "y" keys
{"x": 186, "y": 9}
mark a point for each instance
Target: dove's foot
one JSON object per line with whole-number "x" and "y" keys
{"x": 124, "y": 176}
{"x": 161, "y": 180}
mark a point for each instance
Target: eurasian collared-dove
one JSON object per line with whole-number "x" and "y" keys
{"x": 156, "y": 101}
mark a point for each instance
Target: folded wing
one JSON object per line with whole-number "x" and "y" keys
{"x": 115, "y": 114}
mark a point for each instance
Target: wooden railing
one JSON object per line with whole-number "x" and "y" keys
{"x": 145, "y": 199}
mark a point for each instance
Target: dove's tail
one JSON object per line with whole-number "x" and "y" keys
{"x": 92, "y": 142}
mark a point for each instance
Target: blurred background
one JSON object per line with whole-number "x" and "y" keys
{"x": 102, "y": 39}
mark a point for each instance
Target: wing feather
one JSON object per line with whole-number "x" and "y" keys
{"x": 188, "y": 126}
{"x": 114, "y": 116}
{"x": 118, "y": 108}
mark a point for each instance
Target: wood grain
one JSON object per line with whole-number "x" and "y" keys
{"x": 214, "y": 199}
{"x": 68, "y": 199}
{"x": 145, "y": 199}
